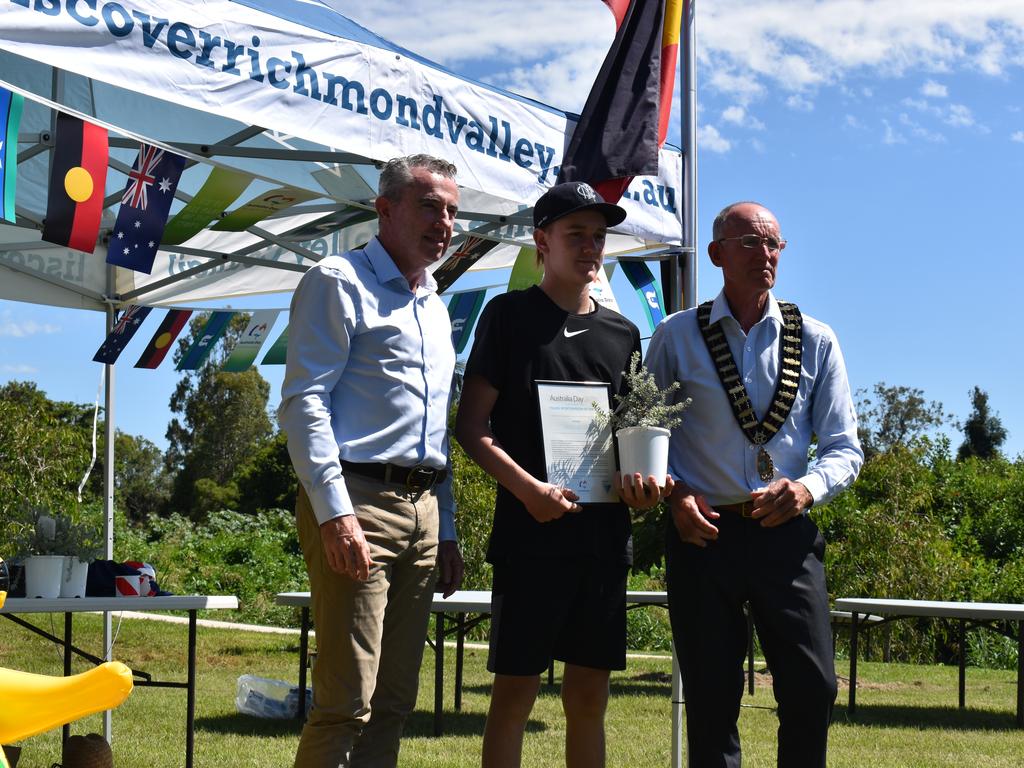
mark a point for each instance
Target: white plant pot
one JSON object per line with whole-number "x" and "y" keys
{"x": 643, "y": 450}
{"x": 43, "y": 575}
{"x": 76, "y": 573}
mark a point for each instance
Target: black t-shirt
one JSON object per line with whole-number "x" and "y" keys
{"x": 523, "y": 337}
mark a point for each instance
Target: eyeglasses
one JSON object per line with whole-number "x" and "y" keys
{"x": 756, "y": 241}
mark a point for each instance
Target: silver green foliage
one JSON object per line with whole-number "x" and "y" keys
{"x": 644, "y": 404}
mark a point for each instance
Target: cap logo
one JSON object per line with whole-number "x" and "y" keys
{"x": 586, "y": 192}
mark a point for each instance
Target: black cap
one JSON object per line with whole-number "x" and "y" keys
{"x": 570, "y": 197}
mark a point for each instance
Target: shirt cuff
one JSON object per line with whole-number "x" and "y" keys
{"x": 816, "y": 486}
{"x": 331, "y": 500}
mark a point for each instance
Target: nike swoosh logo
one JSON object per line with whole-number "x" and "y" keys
{"x": 569, "y": 334}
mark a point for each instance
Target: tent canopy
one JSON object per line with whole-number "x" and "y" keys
{"x": 291, "y": 93}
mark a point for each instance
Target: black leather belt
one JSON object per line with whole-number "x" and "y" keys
{"x": 418, "y": 478}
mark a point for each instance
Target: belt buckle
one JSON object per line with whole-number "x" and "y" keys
{"x": 420, "y": 478}
{"x": 747, "y": 509}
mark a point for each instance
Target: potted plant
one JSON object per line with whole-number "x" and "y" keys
{"x": 642, "y": 421}
{"x": 55, "y": 550}
{"x": 83, "y": 544}
{"x": 41, "y": 543}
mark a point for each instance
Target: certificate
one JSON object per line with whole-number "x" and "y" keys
{"x": 578, "y": 452}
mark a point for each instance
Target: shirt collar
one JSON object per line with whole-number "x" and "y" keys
{"x": 721, "y": 309}
{"x": 387, "y": 271}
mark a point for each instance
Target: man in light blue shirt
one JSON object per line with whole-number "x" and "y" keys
{"x": 765, "y": 381}
{"x": 365, "y": 405}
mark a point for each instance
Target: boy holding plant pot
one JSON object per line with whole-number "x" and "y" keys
{"x": 559, "y": 570}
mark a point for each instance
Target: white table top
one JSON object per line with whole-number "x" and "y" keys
{"x": 472, "y": 601}
{"x": 933, "y": 608}
{"x": 86, "y": 604}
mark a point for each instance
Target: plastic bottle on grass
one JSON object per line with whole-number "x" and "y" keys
{"x": 267, "y": 698}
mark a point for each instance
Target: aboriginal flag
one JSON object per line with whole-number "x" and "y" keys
{"x": 625, "y": 119}
{"x": 78, "y": 177}
{"x": 168, "y": 331}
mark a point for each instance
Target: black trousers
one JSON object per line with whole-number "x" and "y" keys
{"x": 779, "y": 571}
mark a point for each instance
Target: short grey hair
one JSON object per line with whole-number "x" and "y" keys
{"x": 718, "y": 228}
{"x": 396, "y": 174}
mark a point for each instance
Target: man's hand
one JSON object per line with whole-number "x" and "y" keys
{"x": 779, "y": 502}
{"x": 637, "y": 494}
{"x": 450, "y": 566}
{"x": 548, "y": 502}
{"x": 692, "y": 515}
{"x": 346, "y": 548}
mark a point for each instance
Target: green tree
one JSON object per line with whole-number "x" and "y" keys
{"x": 983, "y": 431}
{"x": 267, "y": 480}
{"x": 141, "y": 484}
{"x": 44, "y": 450}
{"x": 221, "y": 420}
{"x": 895, "y": 415}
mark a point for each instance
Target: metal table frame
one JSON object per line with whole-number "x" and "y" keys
{"x": 70, "y": 606}
{"x": 984, "y": 615}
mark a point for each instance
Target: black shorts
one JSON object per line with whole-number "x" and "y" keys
{"x": 573, "y": 611}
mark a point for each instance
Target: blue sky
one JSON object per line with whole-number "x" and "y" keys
{"x": 887, "y": 137}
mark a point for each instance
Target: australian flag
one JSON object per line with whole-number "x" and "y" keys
{"x": 144, "y": 209}
{"x": 121, "y": 334}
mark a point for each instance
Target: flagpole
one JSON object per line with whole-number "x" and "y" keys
{"x": 689, "y": 146}
{"x": 688, "y": 143}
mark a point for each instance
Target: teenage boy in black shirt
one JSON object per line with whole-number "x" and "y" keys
{"x": 559, "y": 570}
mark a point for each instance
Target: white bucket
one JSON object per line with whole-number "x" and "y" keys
{"x": 76, "y": 573}
{"x": 43, "y": 575}
{"x": 643, "y": 450}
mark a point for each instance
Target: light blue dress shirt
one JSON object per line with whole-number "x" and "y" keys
{"x": 710, "y": 453}
{"x": 368, "y": 377}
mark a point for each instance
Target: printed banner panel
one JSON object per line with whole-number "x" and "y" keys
{"x": 223, "y": 57}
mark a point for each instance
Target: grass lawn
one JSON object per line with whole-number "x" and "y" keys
{"x": 907, "y": 715}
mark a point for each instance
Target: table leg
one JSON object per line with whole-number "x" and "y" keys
{"x": 750, "y": 653}
{"x": 678, "y": 745}
{"x": 438, "y": 672}
{"x": 190, "y": 717}
{"x": 961, "y": 635}
{"x": 303, "y": 658}
{"x": 460, "y": 623}
{"x": 1020, "y": 674}
{"x": 852, "y": 708}
{"x": 66, "y": 730}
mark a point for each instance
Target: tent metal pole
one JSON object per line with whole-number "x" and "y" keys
{"x": 688, "y": 87}
{"x": 688, "y": 36}
{"x": 108, "y": 483}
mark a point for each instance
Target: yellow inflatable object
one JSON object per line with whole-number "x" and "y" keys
{"x": 31, "y": 704}
{"x": 37, "y": 703}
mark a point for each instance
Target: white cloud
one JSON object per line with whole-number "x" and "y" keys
{"x": 934, "y": 90}
{"x": 891, "y": 136}
{"x": 20, "y": 369}
{"x": 799, "y": 103}
{"x": 919, "y": 131}
{"x": 738, "y": 115}
{"x": 960, "y": 116}
{"x": 851, "y": 121}
{"x": 710, "y": 139}
{"x": 1017, "y": 136}
{"x": 800, "y": 44}
{"x": 24, "y": 328}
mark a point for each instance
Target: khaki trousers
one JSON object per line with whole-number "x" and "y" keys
{"x": 369, "y": 635}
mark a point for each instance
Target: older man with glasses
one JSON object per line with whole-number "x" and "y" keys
{"x": 766, "y": 381}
